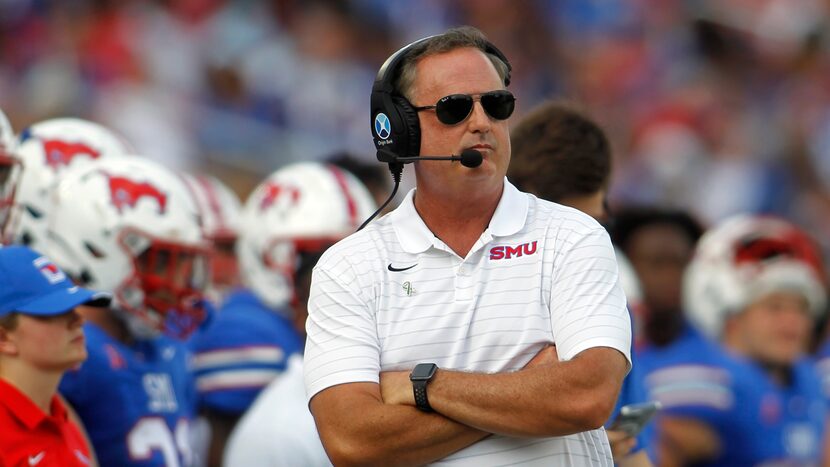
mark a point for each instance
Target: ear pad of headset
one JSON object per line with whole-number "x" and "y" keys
{"x": 410, "y": 146}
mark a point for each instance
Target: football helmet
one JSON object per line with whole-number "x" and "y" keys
{"x": 744, "y": 258}
{"x": 303, "y": 207}
{"x": 219, "y": 210}
{"x": 9, "y": 172}
{"x": 129, "y": 226}
{"x": 46, "y": 150}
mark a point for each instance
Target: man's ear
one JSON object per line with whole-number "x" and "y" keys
{"x": 8, "y": 346}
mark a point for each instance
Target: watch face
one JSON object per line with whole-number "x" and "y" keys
{"x": 423, "y": 371}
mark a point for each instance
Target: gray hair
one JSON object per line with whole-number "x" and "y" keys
{"x": 455, "y": 38}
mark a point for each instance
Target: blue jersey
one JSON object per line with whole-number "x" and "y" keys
{"x": 242, "y": 350}
{"x": 633, "y": 391}
{"x": 136, "y": 401}
{"x": 823, "y": 367}
{"x": 756, "y": 419}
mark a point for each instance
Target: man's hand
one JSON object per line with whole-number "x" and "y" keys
{"x": 621, "y": 443}
{"x": 396, "y": 389}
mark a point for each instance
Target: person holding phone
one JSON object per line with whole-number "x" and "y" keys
{"x": 40, "y": 338}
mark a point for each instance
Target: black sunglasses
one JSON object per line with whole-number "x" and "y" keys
{"x": 455, "y": 108}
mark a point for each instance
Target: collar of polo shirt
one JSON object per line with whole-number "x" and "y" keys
{"x": 415, "y": 237}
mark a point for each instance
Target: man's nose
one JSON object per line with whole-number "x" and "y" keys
{"x": 479, "y": 120}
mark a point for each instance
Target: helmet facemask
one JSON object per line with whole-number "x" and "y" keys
{"x": 10, "y": 168}
{"x": 166, "y": 288}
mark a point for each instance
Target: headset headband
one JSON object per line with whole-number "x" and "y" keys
{"x": 384, "y": 81}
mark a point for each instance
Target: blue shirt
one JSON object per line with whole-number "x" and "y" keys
{"x": 135, "y": 401}
{"x": 756, "y": 419}
{"x": 242, "y": 350}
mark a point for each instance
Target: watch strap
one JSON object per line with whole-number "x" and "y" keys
{"x": 420, "y": 390}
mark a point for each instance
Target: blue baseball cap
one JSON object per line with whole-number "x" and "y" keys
{"x": 32, "y": 284}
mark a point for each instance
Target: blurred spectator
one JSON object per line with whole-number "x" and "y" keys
{"x": 659, "y": 243}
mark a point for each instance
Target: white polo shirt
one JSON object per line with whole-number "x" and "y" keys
{"x": 394, "y": 295}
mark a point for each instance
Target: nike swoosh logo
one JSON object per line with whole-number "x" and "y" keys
{"x": 394, "y": 269}
{"x": 35, "y": 460}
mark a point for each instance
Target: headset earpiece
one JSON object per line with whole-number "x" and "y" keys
{"x": 395, "y": 124}
{"x": 411, "y": 143}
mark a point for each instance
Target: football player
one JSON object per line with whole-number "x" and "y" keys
{"x": 219, "y": 209}
{"x": 46, "y": 150}
{"x": 130, "y": 227}
{"x": 755, "y": 286}
{"x": 296, "y": 212}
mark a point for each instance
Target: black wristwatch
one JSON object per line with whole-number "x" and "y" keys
{"x": 421, "y": 375}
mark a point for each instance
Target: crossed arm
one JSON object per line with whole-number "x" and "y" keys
{"x": 367, "y": 423}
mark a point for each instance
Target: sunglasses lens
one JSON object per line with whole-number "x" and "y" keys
{"x": 453, "y": 109}
{"x": 498, "y": 104}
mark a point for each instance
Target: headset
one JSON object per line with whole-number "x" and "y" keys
{"x": 395, "y": 125}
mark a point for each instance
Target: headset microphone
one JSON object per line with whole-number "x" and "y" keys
{"x": 469, "y": 158}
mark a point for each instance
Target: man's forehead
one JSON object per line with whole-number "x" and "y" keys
{"x": 465, "y": 70}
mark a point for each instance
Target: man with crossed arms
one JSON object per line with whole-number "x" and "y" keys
{"x": 513, "y": 299}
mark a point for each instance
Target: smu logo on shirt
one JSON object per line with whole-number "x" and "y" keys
{"x": 508, "y": 252}
{"x": 160, "y": 393}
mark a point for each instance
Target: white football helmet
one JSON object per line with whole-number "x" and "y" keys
{"x": 9, "y": 172}
{"x": 220, "y": 210}
{"x": 744, "y": 258}
{"x": 46, "y": 150}
{"x": 129, "y": 226}
{"x": 303, "y": 207}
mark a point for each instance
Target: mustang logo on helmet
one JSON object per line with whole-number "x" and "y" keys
{"x": 126, "y": 193}
{"x": 273, "y": 191}
{"x": 61, "y": 153}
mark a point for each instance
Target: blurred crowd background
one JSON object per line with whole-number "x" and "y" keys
{"x": 711, "y": 106}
